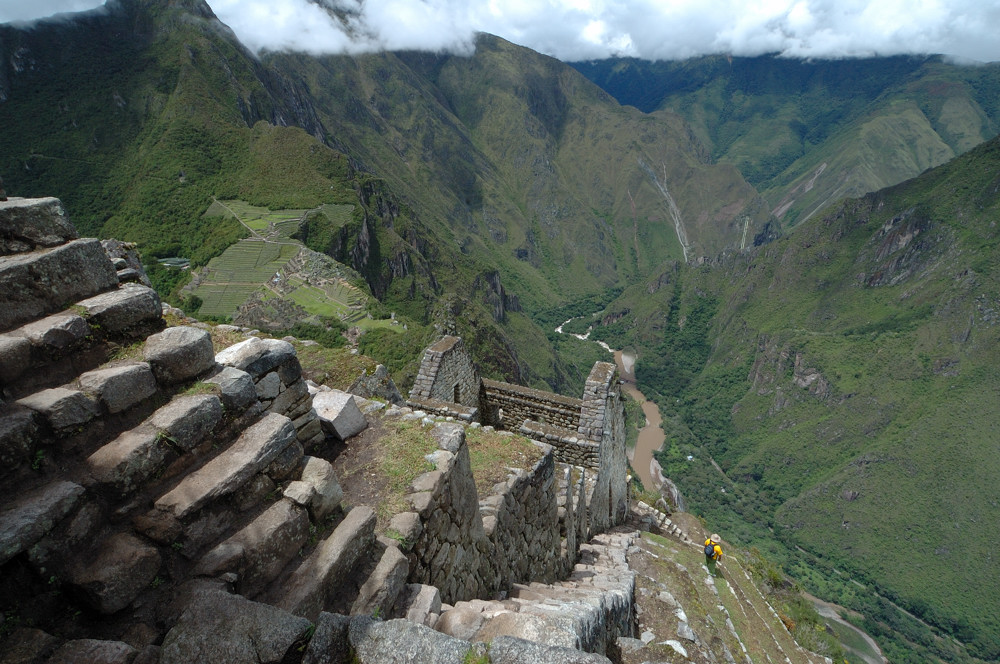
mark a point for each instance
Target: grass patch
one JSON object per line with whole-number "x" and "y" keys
{"x": 492, "y": 454}
{"x": 401, "y": 458}
{"x": 335, "y": 367}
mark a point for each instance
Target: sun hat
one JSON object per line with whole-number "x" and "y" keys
{"x": 715, "y": 537}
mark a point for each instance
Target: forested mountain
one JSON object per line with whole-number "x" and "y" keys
{"x": 809, "y": 132}
{"x": 834, "y": 391}
{"x": 482, "y": 185}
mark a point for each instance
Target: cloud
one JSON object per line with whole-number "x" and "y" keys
{"x": 592, "y": 29}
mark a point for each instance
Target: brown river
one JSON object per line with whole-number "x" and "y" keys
{"x": 650, "y": 436}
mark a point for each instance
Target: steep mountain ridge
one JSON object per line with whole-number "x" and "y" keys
{"x": 808, "y": 133}
{"x": 504, "y": 168}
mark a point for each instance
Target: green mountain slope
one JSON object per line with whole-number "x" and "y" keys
{"x": 482, "y": 186}
{"x": 844, "y": 379}
{"x": 807, "y": 133}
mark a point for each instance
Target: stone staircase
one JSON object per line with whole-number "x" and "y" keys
{"x": 135, "y": 459}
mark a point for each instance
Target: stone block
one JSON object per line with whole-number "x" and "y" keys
{"x": 187, "y": 420}
{"x": 222, "y": 628}
{"x": 268, "y": 386}
{"x": 408, "y": 526}
{"x": 513, "y": 650}
{"x": 236, "y": 386}
{"x": 118, "y": 311}
{"x": 45, "y": 281}
{"x": 286, "y": 463}
{"x": 419, "y": 602}
{"x": 257, "y": 356}
{"x": 15, "y": 357}
{"x": 309, "y": 428}
{"x": 329, "y": 644}
{"x": 128, "y": 460}
{"x": 300, "y": 493}
{"x": 381, "y": 589}
{"x": 19, "y": 435}
{"x": 178, "y": 354}
{"x": 250, "y": 454}
{"x": 286, "y": 402}
{"x": 339, "y": 414}
{"x": 57, "y": 332}
{"x": 32, "y": 515}
{"x": 306, "y": 591}
{"x": 35, "y": 222}
{"x": 63, "y": 408}
{"x": 259, "y": 551}
{"x": 93, "y": 651}
{"x": 120, "y": 388}
{"x": 124, "y": 567}
{"x": 319, "y": 474}
{"x": 402, "y": 642}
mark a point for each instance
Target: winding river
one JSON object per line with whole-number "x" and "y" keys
{"x": 651, "y": 436}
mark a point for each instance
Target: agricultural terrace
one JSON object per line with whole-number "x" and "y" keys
{"x": 274, "y": 225}
{"x": 261, "y": 263}
{"x": 229, "y": 279}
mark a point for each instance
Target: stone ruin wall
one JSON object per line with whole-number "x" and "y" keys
{"x": 602, "y": 420}
{"x": 447, "y": 374}
{"x": 527, "y": 530}
{"x": 524, "y": 403}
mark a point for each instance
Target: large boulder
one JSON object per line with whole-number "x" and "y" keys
{"x": 222, "y": 628}
{"x": 379, "y": 385}
{"x": 339, "y": 414}
{"x": 27, "y": 223}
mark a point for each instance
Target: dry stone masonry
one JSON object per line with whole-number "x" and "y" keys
{"x": 587, "y": 432}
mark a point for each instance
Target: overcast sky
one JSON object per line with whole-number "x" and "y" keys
{"x": 590, "y": 29}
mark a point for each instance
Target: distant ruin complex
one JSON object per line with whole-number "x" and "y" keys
{"x": 587, "y": 432}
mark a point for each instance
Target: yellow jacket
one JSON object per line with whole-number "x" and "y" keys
{"x": 718, "y": 549}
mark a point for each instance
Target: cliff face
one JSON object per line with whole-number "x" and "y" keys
{"x": 164, "y": 502}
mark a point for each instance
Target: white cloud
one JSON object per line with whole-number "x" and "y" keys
{"x": 586, "y": 29}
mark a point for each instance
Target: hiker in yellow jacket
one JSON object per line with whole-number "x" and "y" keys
{"x": 713, "y": 553}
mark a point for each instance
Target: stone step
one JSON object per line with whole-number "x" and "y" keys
{"x": 258, "y": 552}
{"x": 255, "y": 449}
{"x": 309, "y": 589}
{"x": 585, "y": 612}
{"x": 56, "y": 349}
{"x": 378, "y": 595}
{"x": 125, "y": 463}
{"x": 44, "y": 281}
{"x": 33, "y": 515}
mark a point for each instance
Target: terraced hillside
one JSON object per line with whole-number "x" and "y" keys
{"x": 272, "y": 270}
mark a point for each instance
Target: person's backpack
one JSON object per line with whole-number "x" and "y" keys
{"x": 710, "y": 550}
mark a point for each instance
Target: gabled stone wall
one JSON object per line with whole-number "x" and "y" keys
{"x": 587, "y": 432}
{"x": 447, "y": 374}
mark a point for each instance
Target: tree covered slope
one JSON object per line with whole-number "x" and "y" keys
{"x": 807, "y": 133}
{"x": 844, "y": 379}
